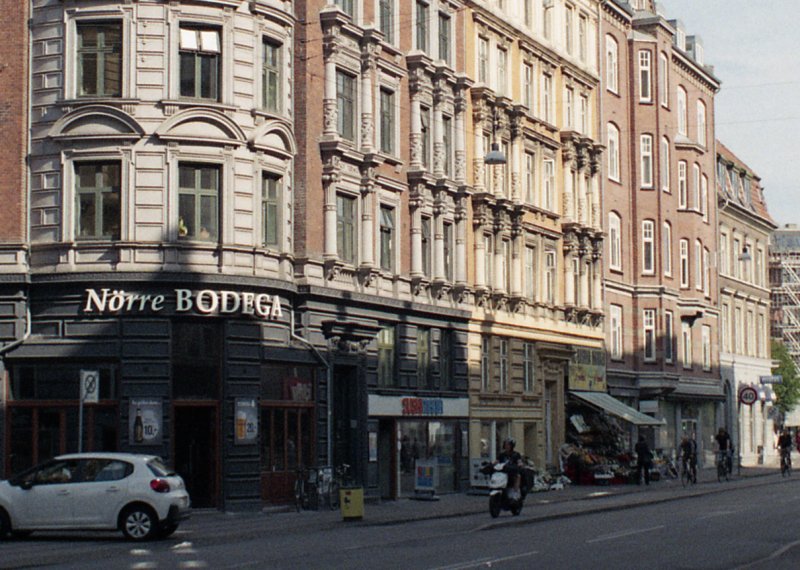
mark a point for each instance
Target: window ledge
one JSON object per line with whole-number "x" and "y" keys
{"x": 172, "y": 105}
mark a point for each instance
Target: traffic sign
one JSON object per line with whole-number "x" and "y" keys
{"x": 774, "y": 379}
{"x": 90, "y": 386}
{"x": 748, "y": 395}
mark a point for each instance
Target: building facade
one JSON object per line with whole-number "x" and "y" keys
{"x": 660, "y": 287}
{"x": 744, "y": 337}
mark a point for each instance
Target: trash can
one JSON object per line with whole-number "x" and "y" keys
{"x": 351, "y": 500}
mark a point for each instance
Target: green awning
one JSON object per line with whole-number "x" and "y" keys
{"x": 616, "y": 408}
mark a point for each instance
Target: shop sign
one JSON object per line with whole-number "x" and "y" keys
{"x": 144, "y": 422}
{"x": 426, "y": 475}
{"x": 246, "y": 424}
{"x": 587, "y": 370}
{"x": 204, "y": 302}
{"x": 422, "y": 407}
{"x": 748, "y": 395}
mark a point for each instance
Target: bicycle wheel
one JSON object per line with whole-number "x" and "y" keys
{"x": 686, "y": 475}
{"x": 720, "y": 470}
{"x": 333, "y": 495}
{"x": 299, "y": 495}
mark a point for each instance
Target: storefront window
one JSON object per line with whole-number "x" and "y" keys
{"x": 434, "y": 441}
{"x": 287, "y": 384}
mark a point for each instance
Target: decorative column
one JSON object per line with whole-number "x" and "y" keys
{"x": 585, "y": 267}
{"x": 329, "y": 111}
{"x": 461, "y": 242}
{"x": 330, "y": 177}
{"x": 516, "y": 156}
{"x": 569, "y": 190}
{"x": 597, "y": 301}
{"x": 480, "y": 249}
{"x": 367, "y": 216}
{"x": 415, "y": 79}
{"x": 438, "y": 132}
{"x": 438, "y": 241}
{"x": 499, "y": 282}
{"x": 459, "y": 142}
{"x": 415, "y": 203}
{"x": 581, "y": 190}
{"x": 367, "y": 116}
{"x": 478, "y": 166}
{"x": 517, "y": 235}
{"x": 569, "y": 278}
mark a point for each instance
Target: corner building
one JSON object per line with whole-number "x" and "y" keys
{"x": 661, "y": 292}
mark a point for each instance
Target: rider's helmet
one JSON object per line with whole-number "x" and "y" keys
{"x": 510, "y": 441}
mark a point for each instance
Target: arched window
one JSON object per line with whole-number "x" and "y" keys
{"x": 682, "y": 109}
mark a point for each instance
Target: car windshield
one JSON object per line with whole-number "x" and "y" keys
{"x": 158, "y": 468}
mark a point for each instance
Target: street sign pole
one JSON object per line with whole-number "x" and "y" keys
{"x": 88, "y": 391}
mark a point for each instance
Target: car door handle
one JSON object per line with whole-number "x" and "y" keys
{"x": 112, "y": 490}
{"x": 63, "y": 493}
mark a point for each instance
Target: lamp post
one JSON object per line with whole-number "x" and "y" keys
{"x": 495, "y": 155}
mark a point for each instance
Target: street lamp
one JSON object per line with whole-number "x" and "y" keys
{"x": 745, "y": 255}
{"x": 495, "y": 155}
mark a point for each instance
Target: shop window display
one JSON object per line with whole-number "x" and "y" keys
{"x": 429, "y": 441}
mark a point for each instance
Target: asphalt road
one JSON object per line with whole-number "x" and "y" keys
{"x": 753, "y": 527}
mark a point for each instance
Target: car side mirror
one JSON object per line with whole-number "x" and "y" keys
{"x": 26, "y": 485}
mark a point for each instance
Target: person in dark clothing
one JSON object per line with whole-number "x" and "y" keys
{"x": 514, "y": 460}
{"x": 689, "y": 455}
{"x": 644, "y": 460}
{"x": 725, "y": 446}
{"x": 785, "y": 447}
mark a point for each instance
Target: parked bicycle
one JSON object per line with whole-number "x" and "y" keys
{"x": 786, "y": 462}
{"x": 301, "y": 489}
{"x": 723, "y": 466}
{"x": 341, "y": 478}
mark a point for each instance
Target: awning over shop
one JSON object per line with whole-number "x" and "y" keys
{"x": 616, "y": 408}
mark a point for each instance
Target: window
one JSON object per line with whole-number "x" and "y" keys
{"x": 682, "y": 189}
{"x": 199, "y": 63}
{"x": 549, "y": 183}
{"x": 447, "y": 144}
{"x": 444, "y": 37}
{"x": 761, "y": 335}
{"x": 445, "y": 358}
{"x": 684, "y": 253}
{"x": 686, "y": 335}
{"x": 706, "y": 335}
{"x": 486, "y": 352}
{"x": 270, "y": 208}
{"x": 682, "y": 108}
{"x": 612, "y": 64}
{"x": 547, "y": 19}
{"x": 345, "y": 105}
{"x": 669, "y": 349}
{"x": 665, "y": 164}
{"x": 645, "y": 88}
{"x": 698, "y": 265}
{"x": 547, "y": 96}
{"x": 448, "y": 252}
{"x": 528, "y": 86}
{"x": 615, "y": 314}
{"x": 427, "y": 243}
{"x": 503, "y": 365}
{"x": 737, "y": 258}
{"x": 704, "y": 197}
{"x": 550, "y": 277}
{"x": 530, "y": 273}
{"x": 613, "y": 152}
{"x": 488, "y": 258}
{"x": 97, "y": 200}
{"x": 346, "y": 7}
{"x": 423, "y": 356}
{"x": 387, "y": 121}
{"x": 723, "y": 253}
{"x": 584, "y": 115}
{"x": 648, "y": 247}
{"x": 724, "y": 323}
{"x": 387, "y": 238}
{"x": 649, "y": 324}
{"x": 760, "y": 266}
{"x": 696, "y": 186}
{"x": 386, "y": 355}
{"x": 530, "y": 177}
{"x": 502, "y": 66}
{"x": 701, "y": 123}
{"x": 663, "y": 80}
{"x": 667, "y": 245}
{"x": 583, "y": 27}
{"x": 422, "y": 26}
{"x": 737, "y": 330}
{"x": 271, "y": 76}
{"x": 528, "y": 8}
{"x": 569, "y": 22}
{"x": 569, "y": 111}
{"x": 99, "y": 65}
{"x": 646, "y": 151}
{"x": 615, "y": 241}
{"x": 425, "y": 116}
{"x": 483, "y": 60}
{"x": 528, "y": 367}
{"x": 386, "y": 19}
{"x": 198, "y": 202}
{"x": 706, "y": 272}
{"x": 346, "y": 228}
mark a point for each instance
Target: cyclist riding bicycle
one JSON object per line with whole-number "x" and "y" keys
{"x": 688, "y": 450}
{"x": 785, "y": 447}
{"x": 725, "y": 447}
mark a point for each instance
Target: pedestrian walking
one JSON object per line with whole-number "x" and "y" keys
{"x": 644, "y": 461}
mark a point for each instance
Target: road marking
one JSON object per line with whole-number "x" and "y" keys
{"x": 485, "y": 562}
{"x": 717, "y": 514}
{"x": 144, "y": 565}
{"x": 140, "y": 552}
{"x": 624, "y": 533}
{"x": 193, "y": 564}
{"x": 184, "y": 548}
{"x": 777, "y": 554}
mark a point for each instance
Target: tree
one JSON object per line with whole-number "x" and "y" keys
{"x": 788, "y": 392}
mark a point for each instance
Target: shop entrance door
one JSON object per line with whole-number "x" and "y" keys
{"x": 387, "y": 459}
{"x": 196, "y": 457}
{"x": 346, "y": 436}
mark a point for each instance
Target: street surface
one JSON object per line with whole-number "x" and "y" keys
{"x": 740, "y": 524}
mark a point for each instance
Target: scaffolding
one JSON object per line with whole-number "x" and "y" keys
{"x": 784, "y": 272}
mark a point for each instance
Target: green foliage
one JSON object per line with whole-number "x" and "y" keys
{"x": 788, "y": 392}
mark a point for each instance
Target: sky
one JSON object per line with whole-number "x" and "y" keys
{"x": 754, "y": 46}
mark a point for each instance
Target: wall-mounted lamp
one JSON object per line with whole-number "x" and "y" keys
{"x": 495, "y": 155}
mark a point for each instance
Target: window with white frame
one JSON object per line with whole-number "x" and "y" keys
{"x": 388, "y": 127}
{"x": 98, "y": 200}
{"x": 706, "y": 336}
{"x": 760, "y": 280}
{"x": 569, "y": 23}
{"x": 704, "y": 197}
{"x": 198, "y": 201}
{"x": 737, "y": 258}
{"x": 649, "y": 330}
{"x": 738, "y": 334}
{"x": 528, "y": 12}
{"x": 761, "y": 336}
{"x": 200, "y": 62}
{"x": 488, "y": 258}
{"x": 346, "y": 228}
{"x": 547, "y": 98}
{"x": 502, "y": 67}
{"x": 583, "y": 31}
{"x": 448, "y": 245}
{"x": 682, "y": 110}
{"x": 504, "y": 269}
{"x": 648, "y": 247}
{"x": 548, "y": 188}
{"x": 271, "y": 203}
{"x": 445, "y": 37}
{"x": 99, "y": 59}
{"x": 723, "y": 253}
{"x": 422, "y": 25}
{"x": 387, "y": 238}
{"x": 664, "y": 164}
{"x": 646, "y": 157}
{"x": 550, "y": 276}
{"x": 486, "y": 353}
{"x": 746, "y": 267}
{"x": 569, "y": 111}
{"x": 706, "y": 272}
{"x": 684, "y": 255}
{"x": 346, "y": 105}
{"x": 645, "y": 76}
{"x": 613, "y": 152}
{"x": 530, "y": 177}
{"x": 528, "y": 367}
{"x": 503, "y": 365}
{"x": 271, "y": 75}
{"x": 527, "y": 86}
{"x": 696, "y": 186}
{"x": 530, "y": 272}
{"x": 669, "y": 337}
{"x": 447, "y": 144}
{"x": 686, "y": 336}
{"x": 724, "y": 324}
{"x": 547, "y": 19}
{"x": 347, "y": 6}
{"x": 682, "y": 185}
{"x": 663, "y": 80}
{"x": 386, "y": 19}
{"x": 483, "y": 60}
{"x": 667, "y": 246}
{"x": 427, "y": 244}
{"x": 584, "y": 115}
{"x": 615, "y": 329}
{"x": 615, "y": 241}
{"x": 701, "y": 123}
{"x": 698, "y": 264}
{"x": 612, "y": 64}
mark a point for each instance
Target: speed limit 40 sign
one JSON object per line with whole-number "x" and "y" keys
{"x": 748, "y": 395}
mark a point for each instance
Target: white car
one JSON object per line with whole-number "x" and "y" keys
{"x": 134, "y": 493}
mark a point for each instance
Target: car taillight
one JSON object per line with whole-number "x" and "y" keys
{"x": 159, "y": 486}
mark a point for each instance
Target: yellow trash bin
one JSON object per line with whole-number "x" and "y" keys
{"x": 352, "y": 502}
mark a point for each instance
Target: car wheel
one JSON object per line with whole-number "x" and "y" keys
{"x": 139, "y": 523}
{"x": 167, "y": 530}
{"x": 5, "y": 524}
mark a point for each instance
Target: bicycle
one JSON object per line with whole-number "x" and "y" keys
{"x": 340, "y": 479}
{"x": 723, "y": 468}
{"x": 786, "y": 463}
{"x": 300, "y": 491}
{"x": 688, "y": 472}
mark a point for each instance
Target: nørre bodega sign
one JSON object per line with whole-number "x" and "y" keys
{"x": 205, "y": 302}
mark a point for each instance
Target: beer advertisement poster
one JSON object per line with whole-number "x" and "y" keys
{"x": 145, "y": 421}
{"x": 246, "y": 421}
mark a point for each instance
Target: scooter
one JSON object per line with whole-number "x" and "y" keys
{"x": 501, "y": 490}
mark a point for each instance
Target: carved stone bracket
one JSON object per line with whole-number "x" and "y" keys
{"x": 367, "y": 276}
{"x": 419, "y": 284}
{"x": 332, "y": 268}
{"x": 440, "y": 288}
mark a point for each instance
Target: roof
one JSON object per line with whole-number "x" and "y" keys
{"x": 785, "y": 240}
{"x": 110, "y": 455}
{"x": 753, "y": 199}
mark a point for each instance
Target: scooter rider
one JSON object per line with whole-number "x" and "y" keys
{"x": 514, "y": 463}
